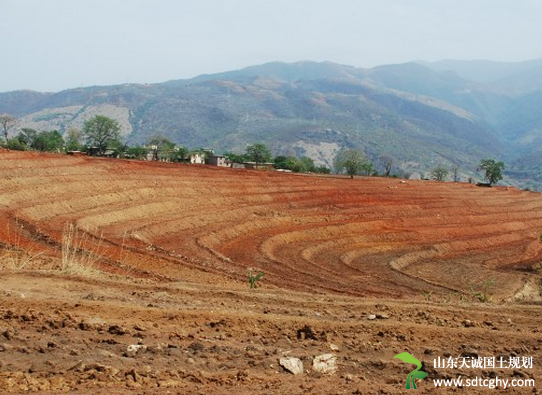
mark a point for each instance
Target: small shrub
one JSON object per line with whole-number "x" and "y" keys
{"x": 16, "y": 145}
{"x": 482, "y": 295}
{"x": 448, "y": 297}
{"x": 427, "y": 295}
{"x": 254, "y": 278}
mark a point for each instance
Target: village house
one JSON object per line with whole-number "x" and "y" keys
{"x": 218, "y": 160}
{"x": 259, "y": 166}
{"x": 197, "y": 158}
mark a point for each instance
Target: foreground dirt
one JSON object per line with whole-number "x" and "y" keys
{"x": 61, "y": 333}
{"x": 158, "y": 300}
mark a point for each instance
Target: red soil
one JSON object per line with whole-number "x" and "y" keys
{"x": 174, "y": 242}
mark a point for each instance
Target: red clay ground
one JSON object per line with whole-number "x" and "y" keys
{"x": 170, "y": 246}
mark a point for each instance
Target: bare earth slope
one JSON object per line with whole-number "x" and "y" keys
{"x": 170, "y": 246}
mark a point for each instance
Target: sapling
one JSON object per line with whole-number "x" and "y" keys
{"x": 427, "y": 295}
{"x": 254, "y": 278}
{"x": 483, "y": 295}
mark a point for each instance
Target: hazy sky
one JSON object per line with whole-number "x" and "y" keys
{"x": 50, "y": 45}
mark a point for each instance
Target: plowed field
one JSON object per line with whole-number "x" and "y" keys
{"x": 98, "y": 255}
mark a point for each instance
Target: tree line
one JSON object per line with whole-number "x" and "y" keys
{"x": 98, "y": 136}
{"x": 101, "y": 134}
{"x": 491, "y": 168}
{"x": 260, "y": 153}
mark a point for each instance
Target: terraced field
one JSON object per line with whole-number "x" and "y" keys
{"x": 367, "y": 237}
{"x": 330, "y": 247}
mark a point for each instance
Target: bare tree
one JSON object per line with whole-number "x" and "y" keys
{"x": 7, "y": 122}
{"x": 455, "y": 172}
{"x": 73, "y": 139}
{"x": 386, "y": 161}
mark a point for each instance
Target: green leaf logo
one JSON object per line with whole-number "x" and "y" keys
{"x": 416, "y": 373}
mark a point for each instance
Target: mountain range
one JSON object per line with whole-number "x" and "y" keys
{"x": 421, "y": 114}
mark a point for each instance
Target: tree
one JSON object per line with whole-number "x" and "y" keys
{"x": 322, "y": 169}
{"x": 367, "y": 168}
{"x": 297, "y": 165}
{"x": 455, "y": 173}
{"x": 351, "y": 161}
{"x": 162, "y": 148}
{"x": 492, "y": 170}
{"x": 386, "y": 161}
{"x": 307, "y": 164}
{"x": 286, "y": 163}
{"x": 235, "y": 158}
{"x": 16, "y": 145}
{"x": 98, "y": 131}
{"x": 48, "y": 141}
{"x": 137, "y": 152}
{"x": 181, "y": 153}
{"x": 258, "y": 153}
{"x": 439, "y": 173}
{"x": 7, "y": 122}
{"x": 42, "y": 141}
{"x": 118, "y": 147}
{"x": 27, "y": 136}
{"x": 73, "y": 139}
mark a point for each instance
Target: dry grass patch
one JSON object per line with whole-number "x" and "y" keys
{"x": 17, "y": 260}
{"x": 77, "y": 257}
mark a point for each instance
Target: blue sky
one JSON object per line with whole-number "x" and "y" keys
{"x": 51, "y": 45}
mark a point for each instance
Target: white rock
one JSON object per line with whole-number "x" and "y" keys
{"x": 292, "y": 365}
{"x": 133, "y": 349}
{"x": 325, "y": 363}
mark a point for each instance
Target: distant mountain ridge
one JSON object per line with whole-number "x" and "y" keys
{"x": 422, "y": 114}
{"x": 484, "y": 71}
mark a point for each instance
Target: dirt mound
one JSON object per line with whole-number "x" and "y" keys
{"x": 131, "y": 275}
